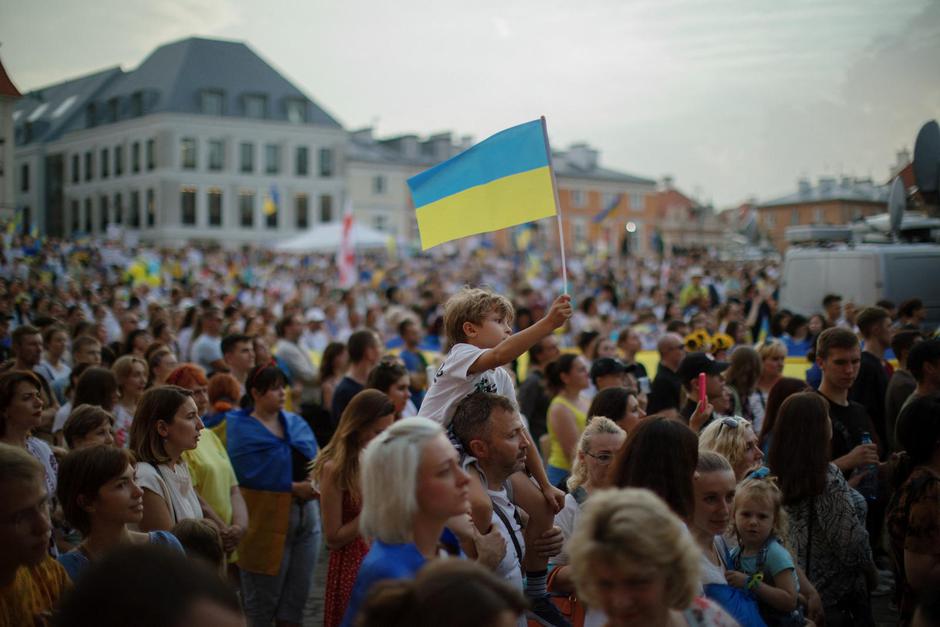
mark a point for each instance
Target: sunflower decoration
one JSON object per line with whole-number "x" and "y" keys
{"x": 721, "y": 344}
{"x": 697, "y": 341}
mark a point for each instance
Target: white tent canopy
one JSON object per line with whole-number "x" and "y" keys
{"x": 326, "y": 238}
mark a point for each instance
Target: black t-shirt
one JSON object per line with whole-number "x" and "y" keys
{"x": 848, "y": 424}
{"x": 665, "y": 391}
{"x": 345, "y": 390}
{"x": 533, "y": 402}
{"x": 869, "y": 390}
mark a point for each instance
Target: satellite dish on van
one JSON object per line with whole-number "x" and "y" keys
{"x": 897, "y": 203}
{"x": 927, "y": 158}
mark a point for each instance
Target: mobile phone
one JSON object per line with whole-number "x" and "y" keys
{"x": 701, "y": 388}
{"x": 644, "y": 383}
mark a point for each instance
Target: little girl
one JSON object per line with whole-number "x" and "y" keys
{"x": 761, "y": 563}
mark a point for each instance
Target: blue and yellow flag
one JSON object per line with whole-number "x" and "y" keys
{"x": 502, "y": 181}
{"x": 271, "y": 202}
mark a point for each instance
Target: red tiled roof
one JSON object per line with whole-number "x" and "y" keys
{"x": 7, "y": 88}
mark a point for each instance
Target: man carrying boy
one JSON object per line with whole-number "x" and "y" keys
{"x": 477, "y": 324}
{"x": 491, "y": 432}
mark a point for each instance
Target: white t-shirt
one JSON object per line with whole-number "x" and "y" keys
{"x": 452, "y": 383}
{"x": 61, "y": 415}
{"x": 174, "y": 485}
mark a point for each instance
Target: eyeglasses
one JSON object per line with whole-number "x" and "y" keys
{"x": 602, "y": 458}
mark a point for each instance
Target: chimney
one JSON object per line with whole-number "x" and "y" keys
{"x": 826, "y": 184}
{"x": 804, "y": 187}
{"x": 667, "y": 182}
{"x": 582, "y": 156}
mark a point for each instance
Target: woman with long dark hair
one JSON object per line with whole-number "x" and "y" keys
{"x": 827, "y": 531}
{"x": 567, "y": 413}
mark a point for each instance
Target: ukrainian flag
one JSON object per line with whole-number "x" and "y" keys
{"x": 502, "y": 181}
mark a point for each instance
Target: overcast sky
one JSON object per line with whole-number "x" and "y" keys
{"x": 733, "y": 98}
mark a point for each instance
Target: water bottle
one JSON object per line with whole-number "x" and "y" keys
{"x": 868, "y": 487}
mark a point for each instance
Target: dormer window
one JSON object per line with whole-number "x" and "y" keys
{"x": 296, "y": 111}
{"x": 256, "y": 106}
{"x": 211, "y": 102}
{"x": 137, "y": 104}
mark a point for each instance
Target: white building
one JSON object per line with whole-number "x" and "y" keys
{"x": 203, "y": 141}
{"x": 9, "y": 94}
{"x": 377, "y": 173}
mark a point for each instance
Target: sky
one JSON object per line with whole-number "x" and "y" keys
{"x": 734, "y": 99}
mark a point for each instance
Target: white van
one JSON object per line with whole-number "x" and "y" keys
{"x": 862, "y": 274}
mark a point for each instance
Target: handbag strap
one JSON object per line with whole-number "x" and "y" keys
{"x": 809, "y": 535}
{"x": 170, "y": 499}
{"x": 509, "y": 531}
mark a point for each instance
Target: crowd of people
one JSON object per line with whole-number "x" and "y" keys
{"x": 204, "y": 425}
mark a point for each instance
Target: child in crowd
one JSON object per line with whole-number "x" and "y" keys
{"x": 761, "y": 563}
{"x": 477, "y": 324}
{"x": 201, "y": 540}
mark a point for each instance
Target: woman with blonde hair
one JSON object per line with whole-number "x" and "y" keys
{"x": 412, "y": 484}
{"x": 735, "y": 439}
{"x": 599, "y": 443}
{"x": 336, "y": 472}
{"x": 632, "y": 558}
{"x": 131, "y": 373}
{"x": 773, "y": 356}
{"x": 741, "y": 376}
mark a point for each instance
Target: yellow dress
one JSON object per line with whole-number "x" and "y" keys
{"x": 557, "y": 457}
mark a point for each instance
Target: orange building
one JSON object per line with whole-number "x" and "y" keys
{"x": 600, "y": 207}
{"x": 830, "y": 202}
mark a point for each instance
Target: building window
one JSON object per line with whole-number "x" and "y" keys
{"x": 76, "y": 163}
{"x": 114, "y": 108}
{"x": 378, "y": 185}
{"x": 105, "y": 215}
{"x": 137, "y": 104}
{"x": 104, "y": 163}
{"x": 135, "y": 157}
{"x": 326, "y": 208}
{"x": 76, "y": 217}
{"x": 151, "y": 208}
{"x": 211, "y": 102}
{"x": 770, "y": 220}
{"x": 272, "y": 159}
{"x": 326, "y": 162}
{"x": 89, "y": 165}
{"x": 296, "y": 111}
{"x": 818, "y": 215}
{"x": 246, "y": 209}
{"x": 636, "y": 201}
{"x": 216, "y": 155}
{"x": 246, "y": 158}
{"x": 794, "y": 216}
{"x": 188, "y": 206}
{"x": 215, "y": 207}
{"x": 91, "y": 116}
{"x": 301, "y": 211}
{"x": 577, "y": 198}
{"x": 379, "y": 221}
{"x": 118, "y": 160}
{"x": 118, "y": 209}
{"x": 151, "y": 154}
{"x": 301, "y": 161}
{"x": 270, "y": 219}
{"x": 579, "y": 230}
{"x": 133, "y": 217}
{"x": 24, "y": 177}
{"x": 188, "y": 153}
{"x": 89, "y": 227}
{"x": 256, "y": 106}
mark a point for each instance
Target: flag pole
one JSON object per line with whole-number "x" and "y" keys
{"x": 561, "y": 233}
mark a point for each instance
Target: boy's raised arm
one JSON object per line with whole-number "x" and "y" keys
{"x": 518, "y": 343}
